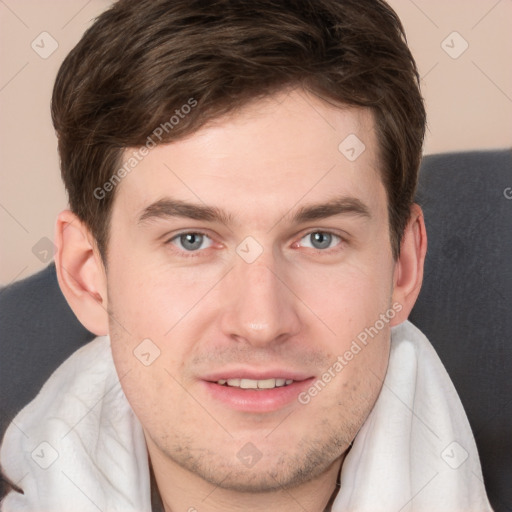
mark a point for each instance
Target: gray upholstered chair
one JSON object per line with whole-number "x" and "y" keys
{"x": 465, "y": 307}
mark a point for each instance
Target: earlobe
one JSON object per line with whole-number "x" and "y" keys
{"x": 408, "y": 275}
{"x": 81, "y": 273}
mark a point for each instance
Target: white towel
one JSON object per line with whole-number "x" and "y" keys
{"x": 415, "y": 452}
{"x": 79, "y": 446}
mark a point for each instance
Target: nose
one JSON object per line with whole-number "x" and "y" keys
{"x": 262, "y": 309}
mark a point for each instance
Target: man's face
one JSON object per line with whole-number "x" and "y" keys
{"x": 264, "y": 284}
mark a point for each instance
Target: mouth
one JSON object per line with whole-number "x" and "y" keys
{"x": 255, "y": 384}
{"x": 256, "y": 395}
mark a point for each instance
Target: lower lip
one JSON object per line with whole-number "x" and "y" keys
{"x": 254, "y": 400}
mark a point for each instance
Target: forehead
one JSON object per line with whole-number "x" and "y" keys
{"x": 273, "y": 154}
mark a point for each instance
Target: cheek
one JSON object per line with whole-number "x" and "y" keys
{"x": 349, "y": 387}
{"x": 346, "y": 299}
{"x": 150, "y": 299}
{"x": 352, "y": 325}
{"x": 154, "y": 316}
{"x": 148, "y": 364}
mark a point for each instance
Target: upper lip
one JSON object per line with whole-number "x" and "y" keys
{"x": 245, "y": 373}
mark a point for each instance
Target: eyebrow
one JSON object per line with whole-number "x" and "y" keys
{"x": 341, "y": 205}
{"x": 169, "y": 208}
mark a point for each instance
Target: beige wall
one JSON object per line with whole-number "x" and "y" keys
{"x": 468, "y": 95}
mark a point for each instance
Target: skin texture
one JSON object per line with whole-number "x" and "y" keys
{"x": 295, "y": 307}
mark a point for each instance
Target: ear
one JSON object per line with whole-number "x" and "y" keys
{"x": 408, "y": 275}
{"x": 81, "y": 273}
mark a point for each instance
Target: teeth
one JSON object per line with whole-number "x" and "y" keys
{"x": 248, "y": 384}
{"x": 255, "y": 384}
{"x": 267, "y": 384}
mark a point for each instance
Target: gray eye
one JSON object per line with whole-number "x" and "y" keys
{"x": 191, "y": 241}
{"x": 320, "y": 240}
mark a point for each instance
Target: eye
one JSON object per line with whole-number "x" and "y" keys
{"x": 320, "y": 240}
{"x": 191, "y": 242}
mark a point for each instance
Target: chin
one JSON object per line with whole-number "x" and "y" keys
{"x": 251, "y": 471}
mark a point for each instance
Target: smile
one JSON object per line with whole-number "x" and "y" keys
{"x": 255, "y": 384}
{"x": 263, "y": 395}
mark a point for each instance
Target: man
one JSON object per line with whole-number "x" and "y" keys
{"x": 243, "y": 240}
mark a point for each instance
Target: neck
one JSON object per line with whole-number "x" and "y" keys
{"x": 182, "y": 490}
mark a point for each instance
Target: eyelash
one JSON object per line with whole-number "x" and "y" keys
{"x": 198, "y": 253}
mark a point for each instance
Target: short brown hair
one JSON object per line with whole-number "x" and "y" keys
{"x": 143, "y": 59}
